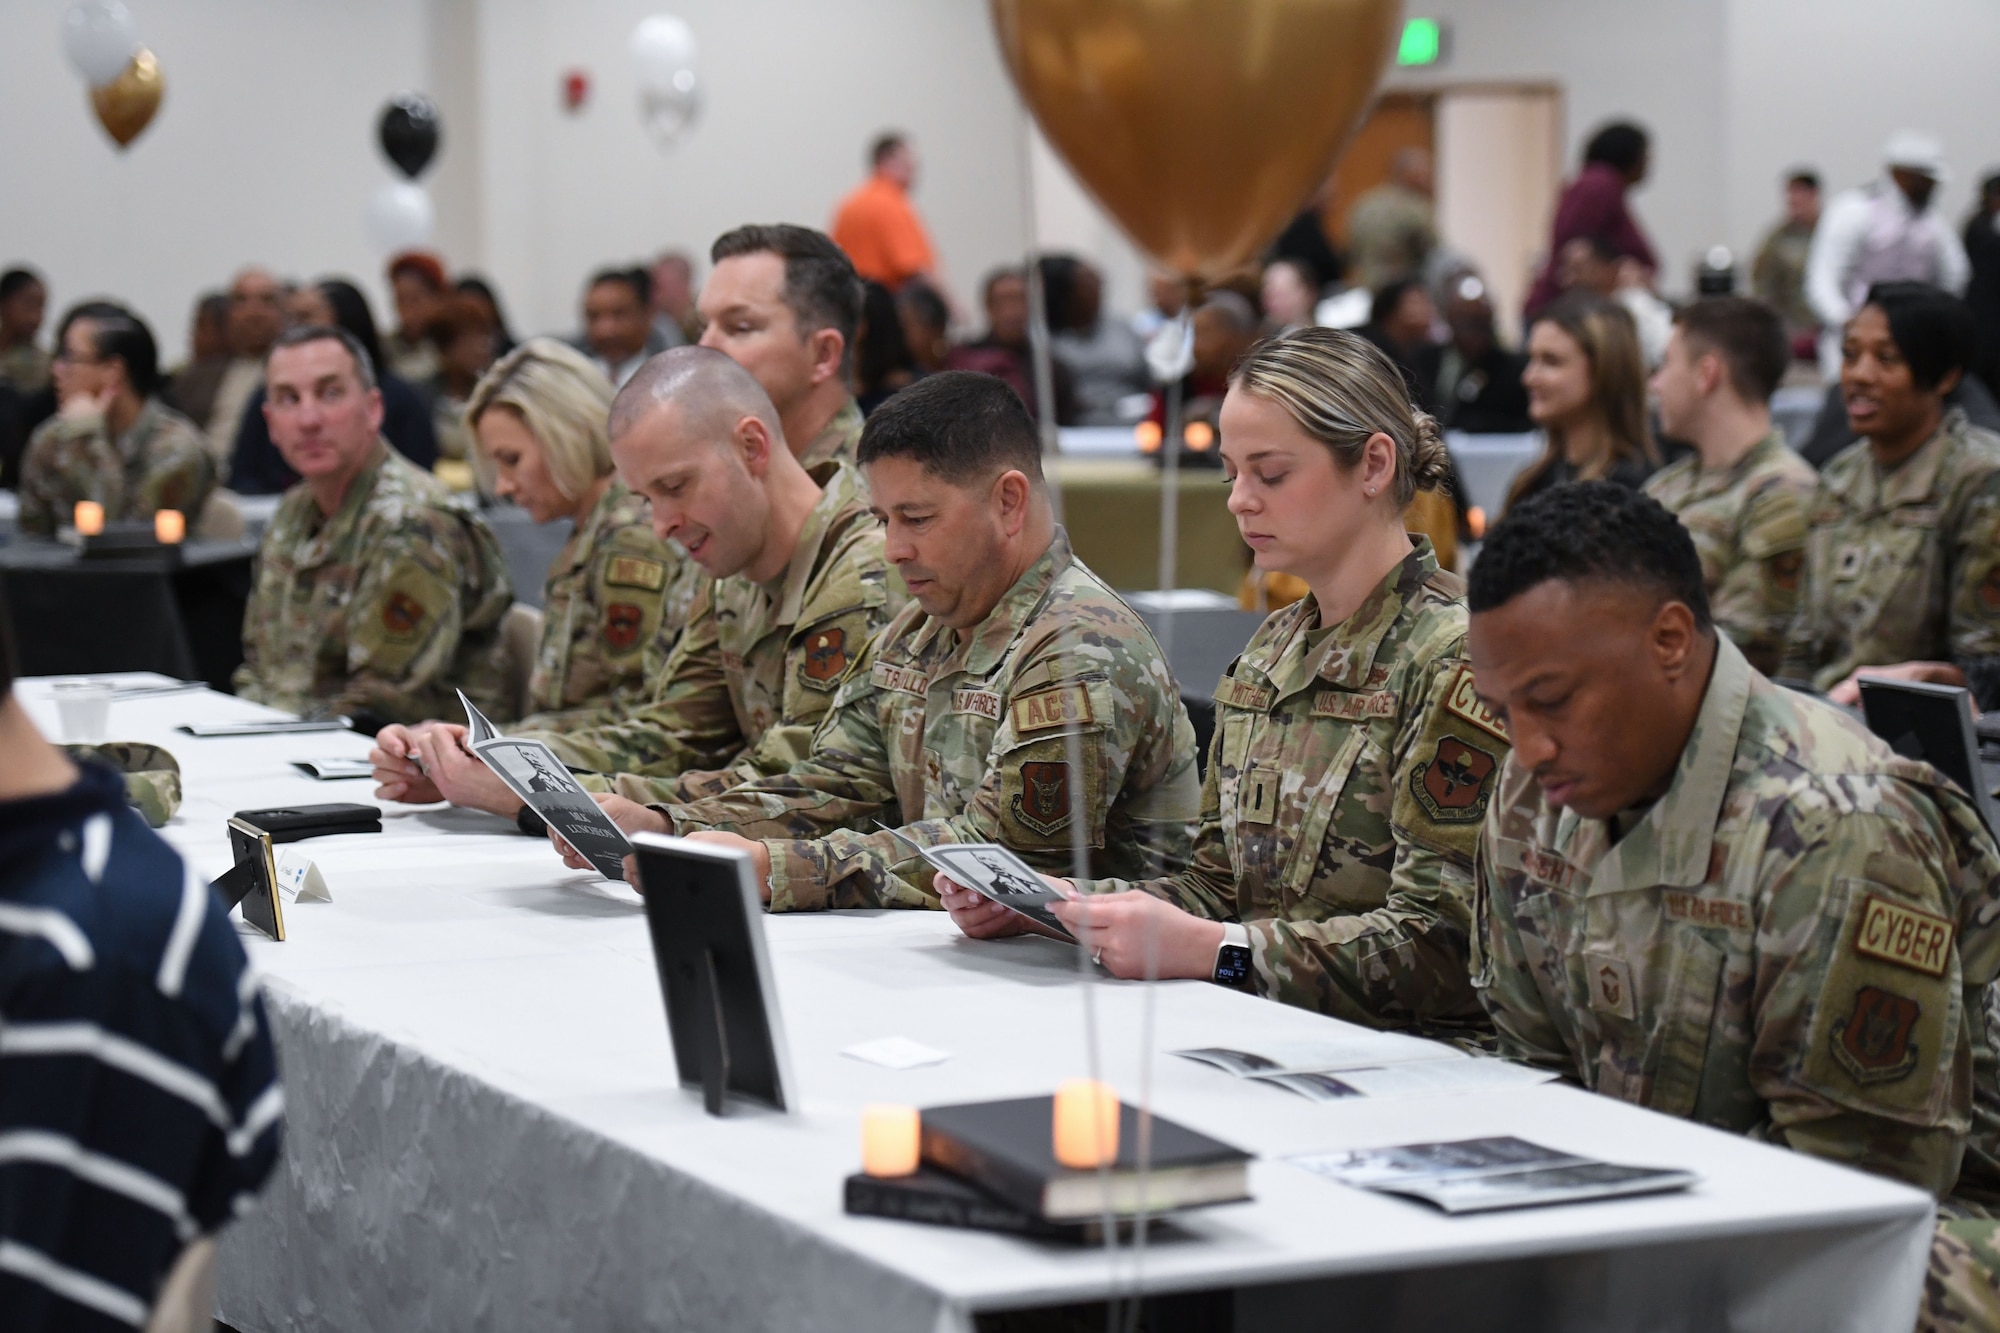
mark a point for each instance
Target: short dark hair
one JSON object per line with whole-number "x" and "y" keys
{"x": 999, "y": 275}
{"x": 884, "y": 145}
{"x": 1748, "y": 335}
{"x": 351, "y": 313}
{"x": 1620, "y": 144}
{"x": 1803, "y": 176}
{"x": 17, "y": 279}
{"x": 1933, "y": 329}
{"x": 1604, "y": 247}
{"x": 364, "y": 368}
{"x": 116, "y": 331}
{"x": 961, "y": 425}
{"x": 821, "y": 287}
{"x": 923, "y": 298}
{"x": 1583, "y": 531}
{"x": 640, "y": 282}
{"x": 1389, "y": 297}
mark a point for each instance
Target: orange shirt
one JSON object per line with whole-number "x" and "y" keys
{"x": 882, "y": 234}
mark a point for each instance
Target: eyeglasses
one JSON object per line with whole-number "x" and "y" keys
{"x": 65, "y": 357}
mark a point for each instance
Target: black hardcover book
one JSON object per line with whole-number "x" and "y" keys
{"x": 941, "y": 1199}
{"x": 1008, "y": 1148}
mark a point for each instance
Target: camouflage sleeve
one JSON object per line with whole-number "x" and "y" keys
{"x": 1404, "y": 963}
{"x": 690, "y": 722}
{"x": 180, "y": 473}
{"x": 405, "y": 620}
{"x": 1501, "y": 973}
{"x": 1861, "y": 1029}
{"x": 1755, "y": 600}
{"x": 59, "y": 448}
{"x": 1975, "y": 592}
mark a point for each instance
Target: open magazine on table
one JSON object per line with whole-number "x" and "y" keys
{"x": 532, "y": 772}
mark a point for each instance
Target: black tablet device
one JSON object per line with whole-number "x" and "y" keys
{"x": 254, "y": 881}
{"x": 1932, "y": 723}
{"x": 707, "y": 924}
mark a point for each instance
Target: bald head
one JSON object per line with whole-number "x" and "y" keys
{"x": 709, "y": 393}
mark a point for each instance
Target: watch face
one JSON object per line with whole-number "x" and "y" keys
{"x": 1232, "y": 965}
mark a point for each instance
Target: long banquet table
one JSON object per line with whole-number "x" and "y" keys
{"x": 484, "y": 1128}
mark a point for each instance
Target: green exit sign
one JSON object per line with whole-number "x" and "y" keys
{"x": 1422, "y": 44}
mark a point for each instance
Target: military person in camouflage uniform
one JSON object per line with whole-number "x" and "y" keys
{"x": 152, "y": 776}
{"x": 1903, "y": 553}
{"x": 113, "y": 441}
{"x": 1018, "y": 701}
{"x": 376, "y": 592}
{"x": 1352, "y": 762}
{"x": 1712, "y": 897}
{"x": 1744, "y": 494}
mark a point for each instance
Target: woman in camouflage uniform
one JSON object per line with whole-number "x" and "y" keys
{"x": 617, "y": 595}
{"x": 1352, "y": 761}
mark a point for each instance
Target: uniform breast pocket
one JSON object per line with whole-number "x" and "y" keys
{"x": 1685, "y": 1023}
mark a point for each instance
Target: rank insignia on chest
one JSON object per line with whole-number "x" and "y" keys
{"x": 1873, "y": 1044}
{"x": 621, "y": 625}
{"x": 1043, "y": 804}
{"x": 1453, "y": 787}
{"x": 826, "y": 659}
{"x": 401, "y": 614}
{"x": 1610, "y": 979}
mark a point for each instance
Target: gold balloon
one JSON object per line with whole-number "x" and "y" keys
{"x": 127, "y": 104}
{"x": 1201, "y": 125}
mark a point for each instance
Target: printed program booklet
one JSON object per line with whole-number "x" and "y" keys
{"x": 993, "y": 870}
{"x": 1486, "y": 1175}
{"x": 1365, "y": 1064}
{"x": 532, "y": 772}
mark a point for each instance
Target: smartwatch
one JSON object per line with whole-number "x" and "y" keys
{"x": 1232, "y": 957}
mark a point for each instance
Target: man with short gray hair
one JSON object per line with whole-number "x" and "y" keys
{"x": 377, "y": 593}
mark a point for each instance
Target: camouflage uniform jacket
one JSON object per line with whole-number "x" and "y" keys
{"x": 382, "y": 607}
{"x": 612, "y": 590}
{"x": 1346, "y": 784}
{"x": 24, "y": 368}
{"x": 1794, "y": 942}
{"x": 756, "y": 668}
{"x": 160, "y": 462}
{"x": 835, "y": 444}
{"x": 152, "y": 775}
{"x": 1749, "y": 528}
{"x": 1905, "y": 565}
{"x": 1054, "y": 721}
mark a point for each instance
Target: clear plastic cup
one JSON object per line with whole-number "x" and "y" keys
{"x": 84, "y": 709}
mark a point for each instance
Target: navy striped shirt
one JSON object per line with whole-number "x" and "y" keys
{"x": 139, "y": 1100}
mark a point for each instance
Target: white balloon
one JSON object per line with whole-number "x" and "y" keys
{"x": 663, "y": 54}
{"x": 666, "y": 115}
{"x": 99, "y": 38}
{"x": 400, "y": 217}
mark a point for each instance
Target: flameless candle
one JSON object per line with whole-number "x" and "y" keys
{"x": 89, "y": 517}
{"x": 1086, "y": 1128}
{"x": 1147, "y": 436}
{"x": 170, "y": 526}
{"x": 1199, "y": 436}
{"x": 889, "y": 1139}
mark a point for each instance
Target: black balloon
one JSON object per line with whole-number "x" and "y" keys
{"x": 409, "y": 132}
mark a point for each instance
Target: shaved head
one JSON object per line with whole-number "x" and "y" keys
{"x": 711, "y": 393}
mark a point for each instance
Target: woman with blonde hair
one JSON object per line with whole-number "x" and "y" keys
{"x": 1586, "y": 384}
{"x": 1352, "y": 761}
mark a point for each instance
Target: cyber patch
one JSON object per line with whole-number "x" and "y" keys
{"x": 1453, "y": 788}
{"x": 1904, "y": 936}
{"x": 1043, "y": 804}
{"x": 622, "y": 622}
{"x": 1873, "y": 1043}
{"x": 630, "y": 571}
{"x": 1464, "y": 702}
{"x": 826, "y": 659}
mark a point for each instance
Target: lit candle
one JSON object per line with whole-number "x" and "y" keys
{"x": 1086, "y": 1128}
{"x": 170, "y": 526}
{"x": 889, "y": 1139}
{"x": 89, "y": 517}
{"x": 1147, "y": 436}
{"x": 1199, "y": 436}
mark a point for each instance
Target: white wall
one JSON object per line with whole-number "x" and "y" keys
{"x": 263, "y": 149}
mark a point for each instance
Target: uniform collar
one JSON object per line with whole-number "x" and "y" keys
{"x": 359, "y": 492}
{"x": 842, "y": 492}
{"x": 835, "y": 441}
{"x": 981, "y": 648}
{"x": 1346, "y": 657}
{"x": 1915, "y": 478}
{"x": 144, "y": 423}
{"x": 1675, "y": 840}
{"x": 1714, "y": 481}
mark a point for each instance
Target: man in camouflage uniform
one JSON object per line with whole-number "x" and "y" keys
{"x": 1902, "y": 565}
{"x": 1712, "y": 897}
{"x": 1018, "y": 701}
{"x": 1743, "y": 495}
{"x": 152, "y": 776}
{"x": 113, "y": 441}
{"x": 376, "y": 591}
{"x": 798, "y": 586}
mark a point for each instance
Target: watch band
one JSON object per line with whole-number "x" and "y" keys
{"x": 1232, "y": 956}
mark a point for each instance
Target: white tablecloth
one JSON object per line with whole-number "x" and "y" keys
{"x": 484, "y": 1129}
